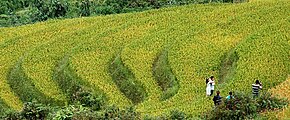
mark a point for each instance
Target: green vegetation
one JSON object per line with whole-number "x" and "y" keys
{"x": 68, "y": 60}
{"x": 24, "y": 87}
{"x": 3, "y": 107}
{"x": 244, "y": 106}
{"x": 126, "y": 81}
{"x": 12, "y": 43}
{"x": 76, "y": 89}
{"x": 164, "y": 76}
{"x": 34, "y": 110}
{"x": 20, "y": 12}
{"x": 264, "y": 54}
{"x": 240, "y": 107}
{"x": 228, "y": 66}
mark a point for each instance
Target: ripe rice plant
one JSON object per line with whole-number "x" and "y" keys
{"x": 13, "y": 48}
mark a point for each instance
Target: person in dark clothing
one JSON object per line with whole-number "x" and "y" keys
{"x": 217, "y": 99}
{"x": 256, "y": 87}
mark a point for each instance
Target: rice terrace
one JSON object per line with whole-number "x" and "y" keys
{"x": 147, "y": 64}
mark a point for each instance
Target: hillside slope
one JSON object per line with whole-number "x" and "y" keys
{"x": 197, "y": 38}
{"x": 282, "y": 92}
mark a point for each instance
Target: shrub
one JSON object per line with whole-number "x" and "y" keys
{"x": 245, "y": 107}
{"x": 112, "y": 112}
{"x": 174, "y": 115}
{"x": 72, "y": 112}
{"x": 11, "y": 115}
{"x": 41, "y": 10}
{"x": 86, "y": 98}
{"x": 267, "y": 102}
{"x": 85, "y": 8}
{"x": 34, "y": 110}
{"x": 104, "y": 10}
{"x": 30, "y": 111}
{"x": 160, "y": 117}
{"x": 177, "y": 115}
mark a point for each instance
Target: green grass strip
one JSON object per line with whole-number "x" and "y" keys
{"x": 65, "y": 77}
{"x": 164, "y": 76}
{"x": 73, "y": 85}
{"x": 3, "y": 107}
{"x": 228, "y": 66}
{"x": 126, "y": 81}
{"x": 22, "y": 85}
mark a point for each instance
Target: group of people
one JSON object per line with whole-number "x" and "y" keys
{"x": 217, "y": 99}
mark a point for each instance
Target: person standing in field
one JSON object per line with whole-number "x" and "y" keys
{"x": 208, "y": 87}
{"x": 212, "y": 84}
{"x": 217, "y": 99}
{"x": 230, "y": 96}
{"x": 229, "y": 101}
{"x": 256, "y": 87}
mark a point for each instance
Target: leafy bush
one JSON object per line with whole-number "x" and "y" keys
{"x": 112, "y": 112}
{"x": 32, "y": 11}
{"x": 104, "y": 10}
{"x": 173, "y": 115}
{"x": 241, "y": 107}
{"x": 160, "y": 117}
{"x": 267, "y": 102}
{"x": 78, "y": 112}
{"x": 177, "y": 115}
{"x": 85, "y": 8}
{"x": 34, "y": 110}
{"x": 72, "y": 112}
{"x": 87, "y": 99}
{"x": 11, "y": 115}
{"x": 41, "y": 10}
{"x": 245, "y": 106}
{"x": 30, "y": 111}
{"x": 83, "y": 107}
{"x": 52, "y": 8}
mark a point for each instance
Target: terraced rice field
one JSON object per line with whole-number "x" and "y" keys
{"x": 282, "y": 92}
{"x": 198, "y": 40}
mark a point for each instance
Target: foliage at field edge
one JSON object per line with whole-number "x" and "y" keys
{"x": 281, "y": 91}
{"x": 21, "y": 12}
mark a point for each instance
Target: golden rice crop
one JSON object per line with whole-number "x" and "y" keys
{"x": 195, "y": 36}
